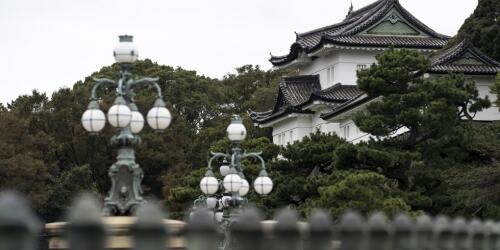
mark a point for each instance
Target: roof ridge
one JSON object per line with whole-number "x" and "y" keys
{"x": 318, "y": 30}
{"x": 335, "y": 93}
{"x": 301, "y": 77}
{"x": 336, "y": 85}
{"x": 447, "y": 54}
{"x": 379, "y": 12}
{"x": 359, "y": 21}
{"x": 355, "y": 26}
{"x": 423, "y": 25}
{"x": 356, "y": 99}
{"x": 363, "y": 9}
{"x": 461, "y": 48}
{"x": 298, "y": 76}
{"x": 354, "y": 16}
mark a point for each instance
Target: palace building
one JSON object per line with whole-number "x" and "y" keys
{"x": 323, "y": 97}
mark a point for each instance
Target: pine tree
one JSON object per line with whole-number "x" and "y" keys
{"x": 483, "y": 28}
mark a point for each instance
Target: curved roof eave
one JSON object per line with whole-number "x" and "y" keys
{"x": 376, "y": 11}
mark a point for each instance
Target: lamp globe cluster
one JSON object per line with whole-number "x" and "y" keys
{"x": 234, "y": 180}
{"x": 121, "y": 116}
{"x": 124, "y": 112}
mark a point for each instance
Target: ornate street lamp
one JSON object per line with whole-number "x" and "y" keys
{"x": 222, "y": 197}
{"x": 126, "y": 175}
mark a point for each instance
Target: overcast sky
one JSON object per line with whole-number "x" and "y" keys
{"x": 48, "y": 44}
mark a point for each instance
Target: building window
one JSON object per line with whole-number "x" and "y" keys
{"x": 346, "y": 132}
{"x": 278, "y": 141}
{"x": 361, "y": 66}
{"x": 330, "y": 75}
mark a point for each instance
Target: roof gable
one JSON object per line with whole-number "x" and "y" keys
{"x": 383, "y": 23}
{"x": 468, "y": 59}
{"x": 464, "y": 58}
{"x": 390, "y": 14}
{"x": 394, "y": 24}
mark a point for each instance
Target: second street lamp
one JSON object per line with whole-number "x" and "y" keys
{"x": 225, "y": 197}
{"x": 230, "y": 191}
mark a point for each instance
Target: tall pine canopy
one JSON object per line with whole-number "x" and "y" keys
{"x": 483, "y": 28}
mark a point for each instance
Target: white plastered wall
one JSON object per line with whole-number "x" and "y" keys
{"x": 323, "y": 126}
{"x": 350, "y": 132}
{"x": 483, "y": 84}
{"x": 344, "y": 64}
{"x": 292, "y": 129}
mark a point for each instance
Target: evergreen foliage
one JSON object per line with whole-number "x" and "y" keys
{"x": 437, "y": 162}
{"x": 423, "y": 132}
{"x": 483, "y": 28}
{"x": 46, "y": 153}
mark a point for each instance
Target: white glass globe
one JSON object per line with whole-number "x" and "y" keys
{"x": 232, "y": 182}
{"x": 263, "y": 185}
{"x": 211, "y": 202}
{"x": 93, "y": 120}
{"x": 209, "y": 185}
{"x": 219, "y": 216}
{"x": 125, "y": 51}
{"x": 119, "y": 116}
{"x": 137, "y": 122}
{"x": 245, "y": 187}
{"x": 159, "y": 118}
{"x": 236, "y": 132}
{"x": 225, "y": 170}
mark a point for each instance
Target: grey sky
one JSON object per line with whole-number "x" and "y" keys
{"x": 47, "y": 44}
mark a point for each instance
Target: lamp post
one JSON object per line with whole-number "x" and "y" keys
{"x": 126, "y": 175}
{"x": 226, "y": 196}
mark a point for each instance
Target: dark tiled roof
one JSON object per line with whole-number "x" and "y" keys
{"x": 378, "y": 11}
{"x": 466, "y": 69}
{"x": 354, "y": 102}
{"x": 383, "y": 41}
{"x": 313, "y": 38}
{"x": 298, "y": 89}
{"x": 263, "y": 117}
{"x": 451, "y": 60}
{"x": 347, "y": 33}
{"x": 337, "y": 93}
{"x": 296, "y": 92}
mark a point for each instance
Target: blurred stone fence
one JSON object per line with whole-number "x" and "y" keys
{"x": 87, "y": 230}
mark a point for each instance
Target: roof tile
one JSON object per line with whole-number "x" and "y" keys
{"x": 449, "y": 61}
